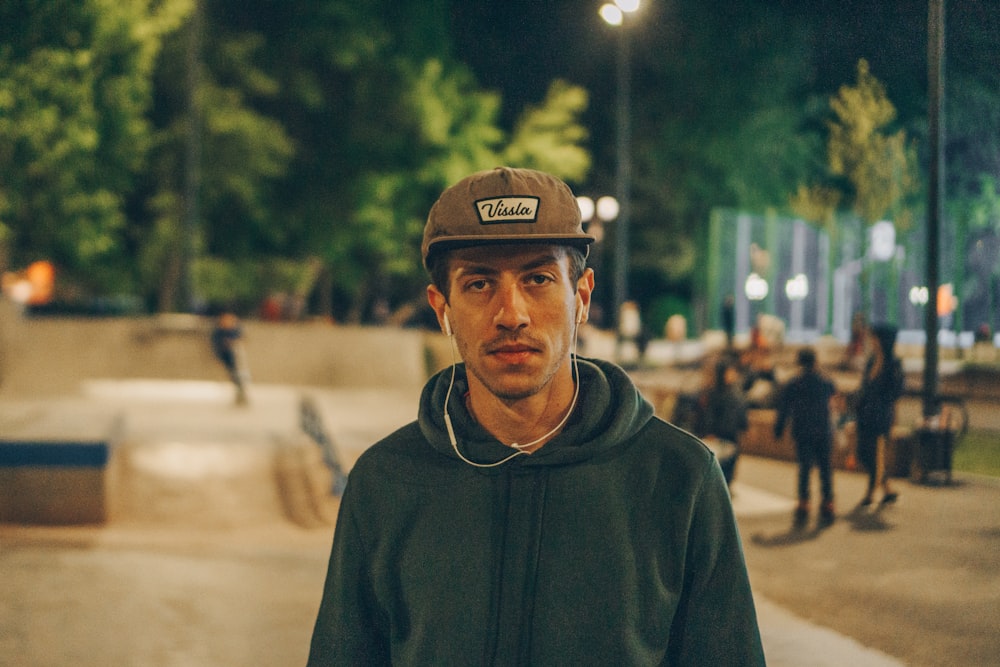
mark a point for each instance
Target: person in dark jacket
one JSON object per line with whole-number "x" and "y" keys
{"x": 722, "y": 416}
{"x": 881, "y": 387}
{"x": 805, "y": 400}
{"x": 226, "y": 345}
{"x": 536, "y": 512}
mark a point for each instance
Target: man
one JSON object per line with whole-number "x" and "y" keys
{"x": 536, "y": 513}
{"x": 228, "y": 349}
{"x": 806, "y": 400}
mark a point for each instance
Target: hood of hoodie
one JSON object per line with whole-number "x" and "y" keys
{"x": 609, "y": 411}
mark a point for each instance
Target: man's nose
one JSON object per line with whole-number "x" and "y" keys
{"x": 512, "y": 310}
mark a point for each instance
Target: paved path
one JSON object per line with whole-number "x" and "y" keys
{"x": 213, "y": 568}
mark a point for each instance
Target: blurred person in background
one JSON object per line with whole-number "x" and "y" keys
{"x": 805, "y": 400}
{"x": 227, "y": 345}
{"x": 881, "y": 387}
{"x": 721, "y": 417}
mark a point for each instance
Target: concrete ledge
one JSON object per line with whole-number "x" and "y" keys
{"x": 52, "y": 357}
{"x": 57, "y": 470}
{"x": 53, "y": 495}
{"x": 22, "y": 454}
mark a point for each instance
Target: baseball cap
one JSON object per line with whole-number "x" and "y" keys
{"x": 504, "y": 205}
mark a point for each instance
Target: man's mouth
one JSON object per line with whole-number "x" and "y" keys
{"x": 512, "y": 352}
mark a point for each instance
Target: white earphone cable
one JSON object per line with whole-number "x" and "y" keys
{"x": 520, "y": 449}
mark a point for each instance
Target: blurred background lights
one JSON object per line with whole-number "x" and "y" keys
{"x": 797, "y": 288}
{"x": 607, "y": 208}
{"x": 882, "y": 241}
{"x": 919, "y": 295}
{"x": 755, "y": 287}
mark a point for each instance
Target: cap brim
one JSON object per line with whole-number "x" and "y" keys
{"x": 453, "y": 242}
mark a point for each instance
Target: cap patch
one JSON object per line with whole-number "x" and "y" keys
{"x": 507, "y": 209}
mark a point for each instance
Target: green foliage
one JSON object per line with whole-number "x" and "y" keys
{"x": 240, "y": 152}
{"x": 550, "y": 137}
{"x": 241, "y": 283}
{"x": 75, "y": 82}
{"x": 973, "y": 132}
{"x": 880, "y": 167}
{"x": 981, "y": 210}
{"x": 453, "y": 127}
{"x": 817, "y": 204}
{"x": 724, "y": 125}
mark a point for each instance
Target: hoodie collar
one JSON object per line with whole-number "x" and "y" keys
{"x": 609, "y": 411}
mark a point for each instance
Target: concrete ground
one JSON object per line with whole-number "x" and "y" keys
{"x": 213, "y": 556}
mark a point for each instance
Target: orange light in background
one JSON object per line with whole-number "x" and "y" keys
{"x": 947, "y": 302}
{"x": 42, "y": 276}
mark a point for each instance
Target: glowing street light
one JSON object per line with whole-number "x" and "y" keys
{"x": 919, "y": 295}
{"x": 614, "y": 13}
{"x": 797, "y": 288}
{"x": 755, "y": 287}
{"x": 604, "y": 210}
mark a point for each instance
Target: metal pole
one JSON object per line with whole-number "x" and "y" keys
{"x": 623, "y": 187}
{"x": 935, "y": 94}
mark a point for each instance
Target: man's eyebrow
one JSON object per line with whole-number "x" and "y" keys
{"x": 477, "y": 268}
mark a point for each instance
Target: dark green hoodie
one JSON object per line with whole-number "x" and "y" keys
{"x": 614, "y": 544}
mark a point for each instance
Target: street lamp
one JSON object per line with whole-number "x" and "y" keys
{"x": 614, "y": 14}
{"x": 605, "y": 209}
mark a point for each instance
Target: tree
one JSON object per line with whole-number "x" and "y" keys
{"x": 550, "y": 138}
{"x": 719, "y": 121}
{"x": 879, "y": 168}
{"x": 209, "y": 92}
{"x": 382, "y": 118}
{"x": 872, "y": 169}
{"x": 75, "y": 87}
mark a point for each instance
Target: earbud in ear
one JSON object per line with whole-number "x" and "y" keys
{"x": 447, "y": 326}
{"x": 581, "y": 313}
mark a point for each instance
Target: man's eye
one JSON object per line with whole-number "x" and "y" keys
{"x": 477, "y": 285}
{"x": 539, "y": 279}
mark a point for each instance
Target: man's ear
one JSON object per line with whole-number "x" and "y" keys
{"x": 439, "y": 303}
{"x": 584, "y": 290}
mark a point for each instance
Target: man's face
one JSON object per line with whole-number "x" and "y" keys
{"x": 512, "y": 309}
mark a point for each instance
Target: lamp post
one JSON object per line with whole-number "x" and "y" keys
{"x": 614, "y": 14}
{"x": 935, "y": 192}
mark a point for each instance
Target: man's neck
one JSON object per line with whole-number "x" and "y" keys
{"x": 516, "y": 422}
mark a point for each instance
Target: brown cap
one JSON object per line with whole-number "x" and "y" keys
{"x": 504, "y": 205}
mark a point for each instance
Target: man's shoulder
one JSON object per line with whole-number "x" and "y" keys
{"x": 402, "y": 439}
{"x": 674, "y": 442}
